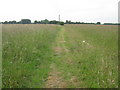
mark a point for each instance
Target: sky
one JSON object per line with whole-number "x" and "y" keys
{"x": 105, "y": 11}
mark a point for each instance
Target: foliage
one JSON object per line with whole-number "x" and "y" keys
{"x": 62, "y": 23}
{"x": 98, "y": 23}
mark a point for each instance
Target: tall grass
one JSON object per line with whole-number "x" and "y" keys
{"x": 90, "y": 62}
{"x": 27, "y": 54}
{"x": 94, "y": 52}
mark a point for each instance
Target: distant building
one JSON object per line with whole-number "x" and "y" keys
{"x": 26, "y": 21}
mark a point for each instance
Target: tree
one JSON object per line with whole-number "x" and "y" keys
{"x": 68, "y": 22}
{"x": 26, "y": 21}
{"x": 12, "y": 22}
{"x": 53, "y": 22}
{"x": 44, "y": 21}
{"x": 98, "y": 23}
{"x": 62, "y": 23}
{"x": 35, "y": 22}
{"x": 6, "y": 22}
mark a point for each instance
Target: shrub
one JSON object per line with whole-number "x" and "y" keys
{"x": 61, "y": 23}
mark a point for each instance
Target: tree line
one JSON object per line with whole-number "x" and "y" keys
{"x": 28, "y": 21}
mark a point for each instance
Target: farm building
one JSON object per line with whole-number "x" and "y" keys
{"x": 26, "y": 21}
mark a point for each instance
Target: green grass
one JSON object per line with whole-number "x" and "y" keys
{"x": 95, "y": 63}
{"x": 28, "y": 53}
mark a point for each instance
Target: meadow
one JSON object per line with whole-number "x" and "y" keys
{"x": 53, "y": 56}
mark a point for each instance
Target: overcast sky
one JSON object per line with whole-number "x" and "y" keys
{"x": 74, "y": 10}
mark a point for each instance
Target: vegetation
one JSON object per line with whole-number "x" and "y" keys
{"x": 27, "y": 54}
{"x": 98, "y": 23}
{"x": 69, "y": 56}
{"x": 28, "y": 21}
{"x": 111, "y": 23}
{"x": 93, "y": 58}
{"x": 25, "y": 21}
{"x": 61, "y": 23}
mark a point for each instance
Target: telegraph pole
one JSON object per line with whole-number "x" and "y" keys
{"x": 59, "y": 17}
{"x": 60, "y": 22}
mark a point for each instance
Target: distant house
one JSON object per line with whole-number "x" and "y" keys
{"x": 26, "y": 21}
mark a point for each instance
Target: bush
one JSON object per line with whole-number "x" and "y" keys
{"x": 98, "y": 23}
{"x": 61, "y": 23}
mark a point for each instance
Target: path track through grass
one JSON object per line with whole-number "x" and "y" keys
{"x": 56, "y": 78}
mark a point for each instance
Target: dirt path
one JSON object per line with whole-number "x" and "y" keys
{"x": 55, "y": 79}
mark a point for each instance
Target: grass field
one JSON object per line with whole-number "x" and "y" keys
{"x": 53, "y": 56}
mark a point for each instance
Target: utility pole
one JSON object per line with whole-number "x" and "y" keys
{"x": 59, "y": 18}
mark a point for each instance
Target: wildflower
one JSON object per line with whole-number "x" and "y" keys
{"x": 83, "y": 41}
